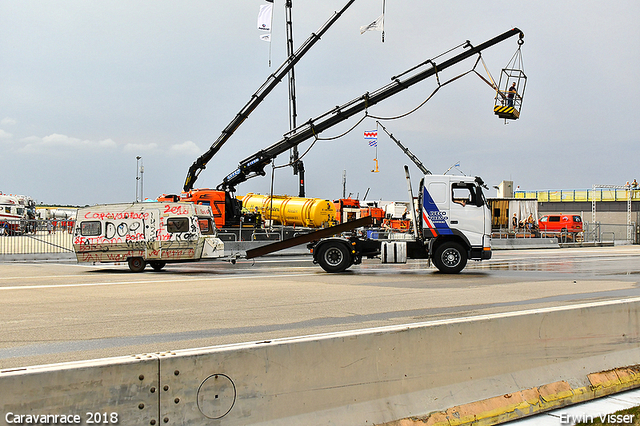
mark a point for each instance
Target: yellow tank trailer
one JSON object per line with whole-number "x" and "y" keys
{"x": 308, "y": 212}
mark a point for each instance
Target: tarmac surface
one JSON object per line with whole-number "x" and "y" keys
{"x": 58, "y": 312}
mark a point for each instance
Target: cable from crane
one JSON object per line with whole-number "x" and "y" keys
{"x": 317, "y": 138}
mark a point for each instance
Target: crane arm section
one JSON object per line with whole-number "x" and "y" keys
{"x": 257, "y": 98}
{"x": 406, "y": 150}
{"x": 254, "y": 165}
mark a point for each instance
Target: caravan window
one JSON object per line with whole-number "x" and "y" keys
{"x": 206, "y": 228}
{"x": 177, "y": 224}
{"x": 90, "y": 228}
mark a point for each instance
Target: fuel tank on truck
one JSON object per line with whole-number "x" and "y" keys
{"x": 288, "y": 211}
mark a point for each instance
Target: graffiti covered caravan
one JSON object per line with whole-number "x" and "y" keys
{"x": 146, "y": 233}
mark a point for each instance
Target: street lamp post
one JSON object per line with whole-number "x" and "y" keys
{"x": 138, "y": 158}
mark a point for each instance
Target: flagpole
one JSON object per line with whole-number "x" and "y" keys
{"x": 383, "y": 11}
{"x": 294, "y": 156}
{"x": 456, "y": 164}
{"x": 270, "y": 31}
{"x": 376, "y": 145}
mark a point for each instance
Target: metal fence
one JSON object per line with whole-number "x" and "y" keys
{"x": 597, "y": 232}
{"x": 36, "y": 237}
{"x": 54, "y": 239}
{"x": 593, "y": 232}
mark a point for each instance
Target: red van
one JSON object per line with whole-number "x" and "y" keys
{"x": 560, "y": 222}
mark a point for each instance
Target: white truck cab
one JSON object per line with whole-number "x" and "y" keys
{"x": 151, "y": 232}
{"x": 454, "y": 210}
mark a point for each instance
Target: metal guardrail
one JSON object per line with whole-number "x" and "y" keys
{"x": 610, "y": 233}
{"x": 580, "y": 195}
{"x": 43, "y": 237}
{"x": 592, "y": 233}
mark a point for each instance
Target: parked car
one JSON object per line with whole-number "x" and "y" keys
{"x": 560, "y": 223}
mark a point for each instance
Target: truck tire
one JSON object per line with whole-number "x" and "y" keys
{"x": 136, "y": 264}
{"x": 334, "y": 257}
{"x": 450, "y": 258}
{"x": 157, "y": 265}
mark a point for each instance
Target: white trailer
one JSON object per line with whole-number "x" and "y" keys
{"x": 152, "y": 232}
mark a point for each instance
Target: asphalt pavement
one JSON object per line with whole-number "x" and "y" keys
{"x": 58, "y": 312}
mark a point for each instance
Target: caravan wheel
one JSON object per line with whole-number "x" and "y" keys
{"x": 157, "y": 265}
{"x": 136, "y": 264}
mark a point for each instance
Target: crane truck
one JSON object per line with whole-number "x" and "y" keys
{"x": 452, "y": 222}
{"x": 226, "y": 208}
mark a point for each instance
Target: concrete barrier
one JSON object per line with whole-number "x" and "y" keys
{"x": 123, "y": 391}
{"x": 523, "y": 243}
{"x": 380, "y": 375}
{"x": 389, "y": 375}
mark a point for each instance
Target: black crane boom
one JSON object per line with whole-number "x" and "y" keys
{"x": 271, "y": 82}
{"x": 254, "y": 165}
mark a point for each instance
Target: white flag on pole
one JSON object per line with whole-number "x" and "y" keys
{"x": 264, "y": 17}
{"x": 377, "y": 25}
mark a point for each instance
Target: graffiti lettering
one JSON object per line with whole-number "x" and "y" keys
{"x": 177, "y": 210}
{"x": 135, "y": 237}
{"x": 117, "y": 216}
{"x": 178, "y": 254}
{"x": 88, "y": 241}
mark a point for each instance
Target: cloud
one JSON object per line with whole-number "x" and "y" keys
{"x": 62, "y": 143}
{"x": 5, "y": 135}
{"x": 187, "y": 148}
{"x": 8, "y": 121}
{"x": 140, "y": 148}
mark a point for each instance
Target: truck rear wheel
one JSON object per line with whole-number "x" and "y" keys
{"x": 136, "y": 264}
{"x": 450, "y": 258}
{"x": 334, "y": 257}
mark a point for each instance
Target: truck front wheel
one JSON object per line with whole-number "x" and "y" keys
{"x": 334, "y": 257}
{"x": 136, "y": 264}
{"x": 450, "y": 258}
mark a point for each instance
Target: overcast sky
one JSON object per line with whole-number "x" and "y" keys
{"x": 86, "y": 86}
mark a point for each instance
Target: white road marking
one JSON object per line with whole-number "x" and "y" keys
{"x": 190, "y": 279}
